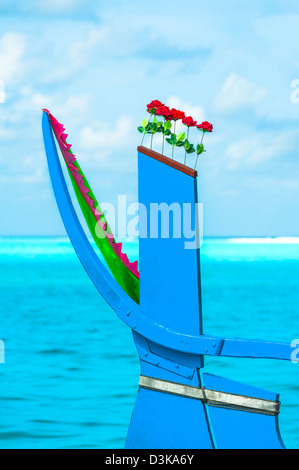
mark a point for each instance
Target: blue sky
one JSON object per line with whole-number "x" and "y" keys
{"x": 96, "y": 65}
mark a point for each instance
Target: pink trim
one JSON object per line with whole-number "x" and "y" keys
{"x": 70, "y": 159}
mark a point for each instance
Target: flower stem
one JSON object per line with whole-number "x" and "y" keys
{"x": 203, "y": 134}
{"x": 152, "y": 140}
{"x": 145, "y": 131}
{"x": 174, "y": 126}
{"x": 186, "y": 150}
{"x": 163, "y": 138}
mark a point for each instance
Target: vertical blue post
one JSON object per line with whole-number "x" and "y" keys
{"x": 170, "y": 295}
{"x": 168, "y": 258}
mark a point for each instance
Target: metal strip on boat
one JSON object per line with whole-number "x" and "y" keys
{"x": 212, "y": 397}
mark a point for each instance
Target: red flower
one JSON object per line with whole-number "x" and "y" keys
{"x": 153, "y": 105}
{"x": 177, "y": 115}
{"x": 188, "y": 121}
{"x": 205, "y": 126}
{"x": 165, "y": 112}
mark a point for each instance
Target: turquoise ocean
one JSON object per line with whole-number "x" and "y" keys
{"x": 70, "y": 376}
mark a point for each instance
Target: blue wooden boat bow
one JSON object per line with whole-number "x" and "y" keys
{"x": 178, "y": 405}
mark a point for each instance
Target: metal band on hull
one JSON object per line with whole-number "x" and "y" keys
{"x": 212, "y": 397}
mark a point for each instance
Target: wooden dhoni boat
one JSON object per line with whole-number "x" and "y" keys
{"x": 179, "y": 406}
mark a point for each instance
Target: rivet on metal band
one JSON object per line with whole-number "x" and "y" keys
{"x": 212, "y": 397}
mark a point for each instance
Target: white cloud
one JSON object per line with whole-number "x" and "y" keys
{"x": 195, "y": 111}
{"x": 102, "y": 135}
{"x": 2, "y": 91}
{"x": 258, "y": 149}
{"x": 6, "y": 134}
{"x": 270, "y": 28}
{"x": 56, "y": 6}
{"x": 71, "y": 111}
{"x": 28, "y": 103}
{"x": 37, "y": 176}
{"x": 237, "y": 92}
{"x": 34, "y": 100}
{"x": 108, "y": 147}
{"x": 88, "y": 64}
{"x": 79, "y": 49}
{"x": 12, "y": 49}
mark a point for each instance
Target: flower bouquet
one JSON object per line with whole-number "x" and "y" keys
{"x": 167, "y": 127}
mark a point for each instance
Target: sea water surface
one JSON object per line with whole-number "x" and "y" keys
{"x": 70, "y": 376}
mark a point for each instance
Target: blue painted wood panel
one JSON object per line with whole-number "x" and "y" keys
{"x": 233, "y": 429}
{"x": 169, "y": 273}
{"x": 167, "y": 422}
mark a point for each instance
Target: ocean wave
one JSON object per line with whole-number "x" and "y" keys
{"x": 264, "y": 240}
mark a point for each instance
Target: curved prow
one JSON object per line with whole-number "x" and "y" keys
{"x": 102, "y": 279}
{"x": 122, "y": 269}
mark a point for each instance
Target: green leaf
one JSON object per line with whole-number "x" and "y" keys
{"x": 186, "y": 145}
{"x": 154, "y": 127}
{"x": 181, "y": 136}
{"x": 200, "y": 149}
{"x": 169, "y": 141}
{"x": 173, "y": 138}
{"x": 191, "y": 149}
{"x": 167, "y": 132}
{"x": 144, "y": 122}
{"x": 140, "y": 129}
{"x": 148, "y": 127}
{"x": 179, "y": 144}
{"x": 167, "y": 125}
{"x": 155, "y": 120}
